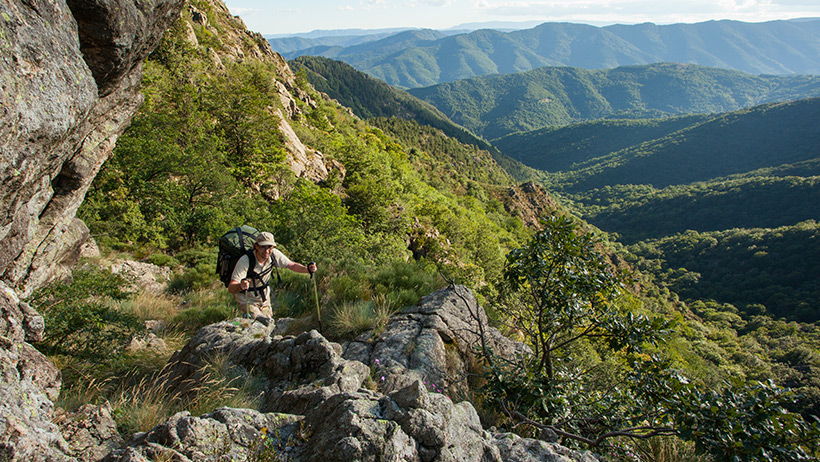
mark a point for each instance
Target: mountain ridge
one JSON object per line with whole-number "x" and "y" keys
{"x": 495, "y": 106}
{"x": 772, "y": 47}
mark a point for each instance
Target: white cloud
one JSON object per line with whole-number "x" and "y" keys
{"x": 647, "y": 10}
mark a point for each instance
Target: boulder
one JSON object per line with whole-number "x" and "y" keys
{"x": 296, "y": 373}
{"x": 435, "y": 341}
{"x": 91, "y": 431}
{"x": 225, "y": 434}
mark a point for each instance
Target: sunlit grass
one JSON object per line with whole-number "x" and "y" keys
{"x": 351, "y": 318}
{"x": 142, "y": 405}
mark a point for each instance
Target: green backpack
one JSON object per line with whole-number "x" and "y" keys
{"x": 232, "y": 245}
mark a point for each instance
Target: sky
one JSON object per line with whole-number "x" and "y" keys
{"x": 275, "y": 17}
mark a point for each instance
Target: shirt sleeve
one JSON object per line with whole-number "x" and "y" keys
{"x": 281, "y": 260}
{"x": 240, "y": 271}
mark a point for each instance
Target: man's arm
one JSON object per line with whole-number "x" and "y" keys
{"x": 237, "y": 286}
{"x": 300, "y": 268}
{"x": 238, "y": 278}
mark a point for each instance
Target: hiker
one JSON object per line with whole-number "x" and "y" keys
{"x": 252, "y": 292}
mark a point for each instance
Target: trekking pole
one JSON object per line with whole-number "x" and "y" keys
{"x": 316, "y": 296}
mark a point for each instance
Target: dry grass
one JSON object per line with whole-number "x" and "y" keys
{"x": 350, "y": 319}
{"x": 149, "y": 306}
{"x": 661, "y": 449}
{"x": 149, "y": 402}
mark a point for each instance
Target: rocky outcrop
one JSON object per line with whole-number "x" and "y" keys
{"x": 91, "y": 431}
{"x": 529, "y": 201}
{"x": 28, "y": 384}
{"x": 71, "y": 75}
{"x": 435, "y": 342}
{"x": 320, "y": 405}
{"x": 234, "y": 43}
{"x": 70, "y": 87}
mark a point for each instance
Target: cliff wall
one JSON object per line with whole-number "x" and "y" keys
{"x": 71, "y": 74}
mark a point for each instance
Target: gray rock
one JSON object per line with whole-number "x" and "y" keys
{"x": 225, "y": 434}
{"x": 69, "y": 87}
{"x": 28, "y": 384}
{"x": 297, "y": 373}
{"x": 516, "y": 449}
{"x": 91, "y": 431}
{"x": 434, "y": 341}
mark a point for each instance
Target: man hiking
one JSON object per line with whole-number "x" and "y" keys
{"x": 251, "y": 286}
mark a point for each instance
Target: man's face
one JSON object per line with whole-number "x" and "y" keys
{"x": 263, "y": 251}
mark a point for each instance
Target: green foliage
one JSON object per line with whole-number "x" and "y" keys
{"x": 177, "y": 173}
{"x": 565, "y": 291}
{"x": 588, "y": 352}
{"x": 370, "y": 98}
{"x": 593, "y": 374}
{"x": 80, "y": 317}
{"x": 641, "y": 212}
{"x": 746, "y": 422}
{"x": 756, "y": 270}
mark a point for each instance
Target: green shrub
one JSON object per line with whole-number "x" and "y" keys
{"x": 404, "y": 283}
{"x": 80, "y": 316}
{"x": 189, "y": 279}
{"x": 161, "y": 259}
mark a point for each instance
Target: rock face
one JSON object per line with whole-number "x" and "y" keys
{"x": 434, "y": 342}
{"x": 28, "y": 384}
{"x": 320, "y": 405}
{"x": 71, "y": 74}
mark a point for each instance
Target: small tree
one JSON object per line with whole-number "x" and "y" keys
{"x": 566, "y": 291}
{"x": 561, "y": 294}
{"x": 591, "y": 377}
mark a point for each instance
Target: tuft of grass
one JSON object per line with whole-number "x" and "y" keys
{"x": 352, "y": 318}
{"x": 148, "y": 306}
{"x": 657, "y": 449}
{"x": 145, "y": 404}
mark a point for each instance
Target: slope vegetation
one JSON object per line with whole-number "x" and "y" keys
{"x": 719, "y": 207}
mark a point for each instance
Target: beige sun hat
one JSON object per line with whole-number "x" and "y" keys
{"x": 265, "y": 238}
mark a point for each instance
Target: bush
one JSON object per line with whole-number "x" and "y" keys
{"x": 80, "y": 315}
{"x": 161, "y": 259}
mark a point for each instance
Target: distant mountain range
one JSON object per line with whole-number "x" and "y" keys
{"x": 495, "y": 106}
{"x": 717, "y": 206}
{"x": 420, "y": 58}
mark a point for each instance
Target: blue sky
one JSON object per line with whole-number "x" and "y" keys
{"x": 294, "y": 16}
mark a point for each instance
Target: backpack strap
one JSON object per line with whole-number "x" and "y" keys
{"x": 253, "y": 275}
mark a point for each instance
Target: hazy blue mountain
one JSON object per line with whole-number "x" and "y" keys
{"x": 775, "y": 47}
{"x": 287, "y": 45}
{"x": 326, "y": 33}
{"x": 496, "y": 106}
